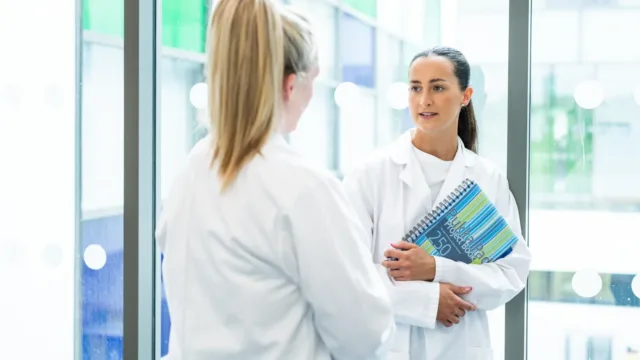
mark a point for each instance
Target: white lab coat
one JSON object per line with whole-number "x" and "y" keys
{"x": 272, "y": 269}
{"x": 390, "y": 195}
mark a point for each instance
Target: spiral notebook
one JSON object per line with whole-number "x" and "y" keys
{"x": 465, "y": 227}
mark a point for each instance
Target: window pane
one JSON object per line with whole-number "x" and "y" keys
{"x": 366, "y": 7}
{"x": 393, "y": 89}
{"x": 585, "y": 154}
{"x": 391, "y": 16}
{"x": 182, "y": 118}
{"x": 38, "y": 211}
{"x": 357, "y": 51}
{"x": 102, "y": 136}
{"x": 323, "y": 17}
{"x": 357, "y": 130}
{"x": 314, "y": 136}
{"x": 102, "y": 198}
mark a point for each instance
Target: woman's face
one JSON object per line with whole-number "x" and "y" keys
{"x": 435, "y": 98}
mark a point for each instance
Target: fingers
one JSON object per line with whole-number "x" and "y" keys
{"x": 392, "y": 253}
{"x": 399, "y": 274}
{"x": 460, "y": 290}
{"x": 404, "y": 245}
{"x": 394, "y": 264}
{"x": 460, "y": 312}
{"x": 454, "y": 320}
{"x": 461, "y": 304}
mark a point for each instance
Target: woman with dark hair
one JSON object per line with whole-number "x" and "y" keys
{"x": 439, "y": 304}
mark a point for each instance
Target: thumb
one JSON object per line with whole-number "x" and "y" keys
{"x": 460, "y": 290}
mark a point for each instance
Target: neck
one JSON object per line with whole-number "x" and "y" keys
{"x": 442, "y": 146}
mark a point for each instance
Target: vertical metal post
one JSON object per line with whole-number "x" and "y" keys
{"x": 518, "y": 157}
{"x": 78, "y": 290}
{"x": 140, "y": 54}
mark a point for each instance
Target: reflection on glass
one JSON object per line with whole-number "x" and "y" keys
{"x": 585, "y": 202}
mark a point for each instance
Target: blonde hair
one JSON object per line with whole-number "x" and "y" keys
{"x": 252, "y": 46}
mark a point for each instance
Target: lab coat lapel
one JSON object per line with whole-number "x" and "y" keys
{"x": 416, "y": 193}
{"x": 455, "y": 176}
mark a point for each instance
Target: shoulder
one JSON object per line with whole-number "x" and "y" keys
{"x": 484, "y": 165}
{"x": 381, "y": 161}
{"x": 488, "y": 174}
{"x": 290, "y": 176}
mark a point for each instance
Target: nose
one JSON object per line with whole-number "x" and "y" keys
{"x": 425, "y": 100}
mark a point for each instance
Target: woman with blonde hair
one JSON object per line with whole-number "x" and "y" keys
{"x": 263, "y": 255}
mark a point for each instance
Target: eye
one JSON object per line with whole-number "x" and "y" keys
{"x": 415, "y": 88}
{"x": 438, "y": 88}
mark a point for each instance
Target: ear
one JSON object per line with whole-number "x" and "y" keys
{"x": 466, "y": 95}
{"x": 287, "y": 89}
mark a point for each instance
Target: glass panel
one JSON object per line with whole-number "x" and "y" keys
{"x": 102, "y": 178}
{"x": 103, "y": 17}
{"x": 391, "y": 17}
{"x": 393, "y": 89}
{"x": 102, "y": 199}
{"x": 366, "y": 7}
{"x": 417, "y": 16}
{"x": 323, "y": 17}
{"x": 183, "y": 101}
{"x": 314, "y": 135}
{"x": 357, "y": 130}
{"x": 40, "y": 257}
{"x": 357, "y": 51}
{"x": 584, "y": 300}
{"x": 184, "y": 24}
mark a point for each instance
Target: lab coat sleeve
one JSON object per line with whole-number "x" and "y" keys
{"x": 494, "y": 284}
{"x": 351, "y": 307}
{"x": 414, "y": 303}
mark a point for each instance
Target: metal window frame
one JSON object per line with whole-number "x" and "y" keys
{"x": 519, "y": 99}
{"x": 140, "y": 110}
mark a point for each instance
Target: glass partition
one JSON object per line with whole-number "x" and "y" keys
{"x": 585, "y": 166}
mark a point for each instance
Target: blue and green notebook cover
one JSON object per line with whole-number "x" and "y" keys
{"x": 465, "y": 227}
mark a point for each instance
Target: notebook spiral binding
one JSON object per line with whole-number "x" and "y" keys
{"x": 439, "y": 210}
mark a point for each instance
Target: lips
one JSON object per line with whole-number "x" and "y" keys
{"x": 427, "y": 115}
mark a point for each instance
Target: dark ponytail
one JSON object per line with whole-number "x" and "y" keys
{"x": 467, "y": 125}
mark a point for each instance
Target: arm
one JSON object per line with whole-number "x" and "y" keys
{"x": 351, "y": 308}
{"x": 496, "y": 283}
{"x": 414, "y": 302}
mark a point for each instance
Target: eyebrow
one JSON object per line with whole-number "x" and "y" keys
{"x": 418, "y": 82}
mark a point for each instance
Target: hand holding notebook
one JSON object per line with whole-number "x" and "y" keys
{"x": 465, "y": 227}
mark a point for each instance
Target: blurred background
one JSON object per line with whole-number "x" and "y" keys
{"x": 61, "y": 123}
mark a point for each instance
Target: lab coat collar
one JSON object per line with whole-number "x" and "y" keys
{"x": 278, "y": 138}
{"x": 402, "y": 150}
{"x": 418, "y": 196}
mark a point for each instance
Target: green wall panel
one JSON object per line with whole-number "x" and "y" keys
{"x": 184, "y": 22}
{"x": 367, "y": 7}
{"x": 104, "y": 17}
